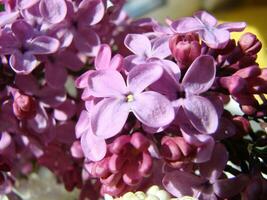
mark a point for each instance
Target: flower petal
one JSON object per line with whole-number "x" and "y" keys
{"x": 133, "y": 60}
{"x": 103, "y": 113}
{"x": 213, "y": 169}
{"x": 22, "y": 30}
{"x": 216, "y": 38}
{"x": 55, "y": 75}
{"x": 23, "y": 63}
{"x": 116, "y": 62}
{"x": 153, "y": 109}
{"x": 206, "y": 18}
{"x": 53, "y": 11}
{"x": 138, "y": 44}
{"x": 8, "y": 17}
{"x": 91, "y": 11}
{"x": 106, "y": 83}
{"x": 201, "y": 113}
{"x": 87, "y": 41}
{"x": 200, "y": 75}
{"x": 24, "y": 4}
{"x": 160, "y": 48}
{"x": 186, "y": 25}
{"x": 83, "y": 124}
{"x": 94, "y": 148}
{"x": 82, "y": 81}
{"x": 226, "y": 188}
{"x": 103, "y": 57}
{"x": 141, "y": 76}
{"x": 233, "y": 26}
{"x": 180, "y": 183}
{"x": 44, "y": 45}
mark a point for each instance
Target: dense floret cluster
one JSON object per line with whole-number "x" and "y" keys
{"x": 112, "y": 105}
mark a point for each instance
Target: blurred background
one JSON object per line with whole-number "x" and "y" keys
{"x": 254, "y": 12}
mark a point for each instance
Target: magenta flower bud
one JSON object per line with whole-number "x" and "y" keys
{"x": 185, "y": 49}
{"x": 242, "y": 125}
{"x": 234, "y": 84}
{"x": 24, "y": 107}
{"x": 249, "y": 44}
{"x": 176, "y": 151}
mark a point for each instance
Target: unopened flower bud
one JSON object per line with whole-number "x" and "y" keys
{"x": 185, "y": 49}
{"x": 24, "y": 107}
{"x": 249, "y": 44}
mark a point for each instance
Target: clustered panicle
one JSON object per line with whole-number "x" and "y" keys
{"x": 111, "y": 105}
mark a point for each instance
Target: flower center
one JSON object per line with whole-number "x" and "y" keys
{"x": 129, "y": 98}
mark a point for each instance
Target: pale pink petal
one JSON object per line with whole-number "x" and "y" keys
{"x": 216, "y": 39}
{"x": 55, "y": 75}
{"x": 201, "y": 113}
{"x": 8, "y": 17}
{"x": 91, "y": 11}
{"x": 133, "y": 60}
{"x": 213, "y": 169}
{"x": 23, "y": 63}
{"x": 141, "y": 76}
{"x": 139, "y": 44}
{"x": 44, "y": 45}
{"x": 103, "y": 115}
{"x": 152, "y": 109}
{"x": 200, "y": 75}
{"x": 180, "y": 183}
{"x": 24, "y": 4}
{"x": 233, "y": 26}
{"x": 103, "y": 57}
{"x": 82, "y": 81}
{"x": 94, "y": 148}
{"x": 83, "y": 124}
{"x": 116, "y": 62}
{"x": 206, "y": 18}
{"x": 106, "y": 83}
{"x": 53, "y": 11}
{"x": 160, "y": 48}
{"x": 187, "y": 25}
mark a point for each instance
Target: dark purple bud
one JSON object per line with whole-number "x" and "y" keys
{"x": 185, "y": 49}
{"x": 234, "y": 84}
{"x": 249, "y": 44}
{"x": 242, "y": 126}
{"x": 24, "y": 107}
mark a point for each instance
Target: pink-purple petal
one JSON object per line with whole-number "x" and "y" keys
{"x": 53, "y": 11}
{"x": 94, "y": 148}
{"x": 55, "y": 75}
{"x": 83, "y": 124}
{"x": 206, "y": 18}
{"x": 180, "y": 183}
{"x": 44, "y": 45}
{"x": 201, "y": 113}
{"x": 226, "y": 188}
{"x": 200, "y": 75}
{"x": 106, "y": 83}
{"x": 233, "y": 26}
{"x": 213, "y": 169}
{"x": 187, "y": 25}
{"x": 23, "y": 63}
{"x": 138, "y": 44}
{"x": 216, "y": 38}
{"x": 103, "y": 57}
{"x": 152, "y": 109}
{"x": 141, "y": 76}
{"x": 22, "y": 30}
{"x": 104, "y": 112}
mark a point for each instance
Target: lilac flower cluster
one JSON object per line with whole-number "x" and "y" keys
{"x": 148, "y": 107}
